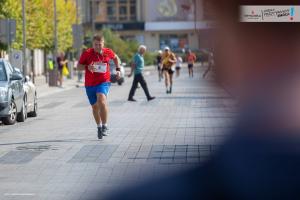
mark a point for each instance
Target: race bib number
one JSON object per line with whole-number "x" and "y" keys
{"x": 100, "y": 67}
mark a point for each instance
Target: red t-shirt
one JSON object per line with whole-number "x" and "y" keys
{"x": 90, "y": 56}
{"x": 191, "y": 58}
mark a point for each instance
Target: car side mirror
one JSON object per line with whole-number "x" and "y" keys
{"x": 16, "y": 77}
{"x": 27, "y": 79}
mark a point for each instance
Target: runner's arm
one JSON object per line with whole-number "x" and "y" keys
{"x": 173, "y": 60}
{"x": 117, "y": 64}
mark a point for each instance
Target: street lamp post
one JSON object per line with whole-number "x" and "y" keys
{"x": 24, "y": 37}
{"x": 55, "y": 31}
{"x": 93, "y": 15}
{"x": 53, "y": 73}
{"x": 77, "y": 24}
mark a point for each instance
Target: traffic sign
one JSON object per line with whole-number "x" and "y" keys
{"x": 16, "y": 58}
{"x": 7, "y": 30}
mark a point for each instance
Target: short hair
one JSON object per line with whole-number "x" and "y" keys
{"x": 142, "y": 47}
{"x": 98, "y": 38}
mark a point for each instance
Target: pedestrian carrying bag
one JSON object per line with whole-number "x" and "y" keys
{"x": 65, "y": 71}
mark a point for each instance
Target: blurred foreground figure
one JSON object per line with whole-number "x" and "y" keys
{"x": 259, "y": 63}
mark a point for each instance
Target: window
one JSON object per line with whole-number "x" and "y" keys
{"x": 175, "y": 42}
{"x": 3, "y": 76}
{"x": 111, "y": 10}
{"x": 132, "y": 12}
{"x": 121, "y": 10}
{"x": 9, "y": 67}
{"x": 123, "y": 13}
{"x": 98, "y": 10}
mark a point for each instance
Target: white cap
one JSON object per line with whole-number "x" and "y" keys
{"x": 159, "y": 51}
{"x": 167, "y": 48}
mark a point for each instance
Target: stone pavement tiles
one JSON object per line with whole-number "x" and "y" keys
{"x": 147, "y": 139}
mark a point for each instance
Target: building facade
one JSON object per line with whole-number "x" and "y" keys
{"x": 179, "y": 24}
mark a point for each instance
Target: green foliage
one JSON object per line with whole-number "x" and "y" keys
{"x": 124, "y": 49}
{"x": 150, "y": 58}
{"x": 40, "y": 23}
{"x": 12, "y": 9}
{"x": 66, "y": 16}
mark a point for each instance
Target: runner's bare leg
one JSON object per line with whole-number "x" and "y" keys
{"x": 101, "y": 101}
{"x": 96, "y": 113}
{"x": 166, "y": 76}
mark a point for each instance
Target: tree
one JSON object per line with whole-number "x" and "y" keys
{"x": 40, "y": 22}
{"x": 36, "y": 24}
{"x": 66, "y": 16}
{"x": 12, "y": 9}
{"x": 125, "y": 49}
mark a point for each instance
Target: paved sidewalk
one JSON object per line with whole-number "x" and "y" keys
{"x": 44, "y": 89}
{"x": 57, "y": 156}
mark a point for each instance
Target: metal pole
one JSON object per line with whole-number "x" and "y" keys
{"x": 195, "y": 16}
{"x": 8, "y": 35}
{"x": 77, "y": 23}
{"x": 77, "y": 12}
{"x": 53, "y": 73}
{"x": 24, "y": 37}
{"x": 93, "y": 20}
{"x": 195, "y": 19}
{"x": 55, "y": 32}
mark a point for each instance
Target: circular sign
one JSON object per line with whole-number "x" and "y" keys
{"x": 167, "y": 8}
{"x": 16, "y": 56}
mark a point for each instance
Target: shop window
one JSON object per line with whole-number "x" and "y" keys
{"x": 175, "y": 42}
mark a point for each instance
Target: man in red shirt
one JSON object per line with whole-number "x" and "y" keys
{"x": 95, "y": 62}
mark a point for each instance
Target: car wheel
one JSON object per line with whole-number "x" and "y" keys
{"x": 120, "y": 81}
{"x": 34, "y": 112}
{"x": 21, "y": 117}
{"x": 11, "y": 119}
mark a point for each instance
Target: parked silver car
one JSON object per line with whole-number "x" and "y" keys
{"x": 113, "y": 72}
{"x": 18, "y": 97}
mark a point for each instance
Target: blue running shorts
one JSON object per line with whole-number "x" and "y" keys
{"x": 91, "y": 91}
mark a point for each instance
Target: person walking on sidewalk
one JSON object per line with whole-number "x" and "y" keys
{"x": 168, "y": 60}
{"x": 191, "y": 59}
{"x": 137, "y": 67}
{"x": 178, "y": 65}
{"x": 158, "y": 61}
{"x": 95, "y": 62}
{"x": 61, "y": 63}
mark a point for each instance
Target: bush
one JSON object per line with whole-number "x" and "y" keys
{"x": 150, "y": 58}
{"x": 124, "y": 49}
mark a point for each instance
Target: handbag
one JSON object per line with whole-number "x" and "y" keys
{"x": 65, "y": 71}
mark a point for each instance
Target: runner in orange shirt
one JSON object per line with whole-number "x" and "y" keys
{"x": 191, "y": 59}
